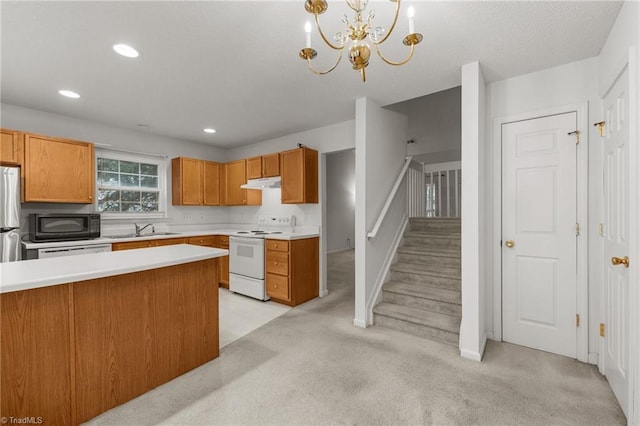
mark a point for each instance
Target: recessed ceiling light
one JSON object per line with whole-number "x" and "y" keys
{"x": 69, "y": 94}
{"x": 209, "y": 130}
{"x": 126, "y": 50}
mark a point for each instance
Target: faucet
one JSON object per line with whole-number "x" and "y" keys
{"x": 140, "y": 229}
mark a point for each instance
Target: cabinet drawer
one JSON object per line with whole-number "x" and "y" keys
{"x": 209, "y": 240}
{"x": 277, "y": 245}
{"x": 278, "y": 286}
{"x": 277, "y": 263}
{"x": 223, "y": 241}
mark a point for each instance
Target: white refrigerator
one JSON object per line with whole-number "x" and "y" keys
{"x": 9, "y": 214}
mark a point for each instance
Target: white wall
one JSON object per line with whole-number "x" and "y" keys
{"x": 472, "y": 330}
{"x": 615, "y": 52}
{"x": 568, "y": 84}
{"x": 341, "y": 206}
{"x": 380, "y": 155}
{"x": 434, "y": 124}
{"x": 30, "y": 120}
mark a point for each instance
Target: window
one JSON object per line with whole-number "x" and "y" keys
{"x": 130, "y": 185}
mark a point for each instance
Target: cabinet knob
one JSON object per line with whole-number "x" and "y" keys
{"x": 275, "y": 245}
{"x": 275, "y": 263}
{"x": 90, "y": 197}
{"x": 275, "y": 286}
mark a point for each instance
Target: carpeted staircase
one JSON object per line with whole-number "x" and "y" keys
{"x": 423, "y": 296}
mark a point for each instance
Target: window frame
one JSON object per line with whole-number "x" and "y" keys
{"x": 160, "y": 161}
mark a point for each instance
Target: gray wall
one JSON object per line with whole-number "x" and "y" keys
{"x": 435, "y": 125}
{"x": 341, "y": 207}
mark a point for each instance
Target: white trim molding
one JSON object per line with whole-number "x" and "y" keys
{"x": 582, "y": 287}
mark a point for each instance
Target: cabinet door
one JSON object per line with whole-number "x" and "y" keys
{"x": 186, "y": 181}
{"x": 58, "y": 170}
{"x": 207, "y": 241}
{"x": 211, "y": 183}
{"x": 11, "y": 147}
{"x": 34, "y": 352}
{"x": 271, "y": 165}
{"x": 292, "y": 169}
{"x": 236, "y": 176}
{"x": 254, "y": 168}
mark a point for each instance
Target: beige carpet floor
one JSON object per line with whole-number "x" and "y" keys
{"x": 311, "y": 366}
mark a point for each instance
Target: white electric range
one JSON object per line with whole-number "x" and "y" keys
{"x": 246, "y": 255}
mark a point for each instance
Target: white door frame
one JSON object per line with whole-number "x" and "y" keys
{"x": 582, "y": 298}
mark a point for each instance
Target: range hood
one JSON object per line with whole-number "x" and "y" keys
{"x": 262, "y": 183}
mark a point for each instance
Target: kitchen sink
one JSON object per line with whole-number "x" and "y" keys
{"x": 140, "y": 236}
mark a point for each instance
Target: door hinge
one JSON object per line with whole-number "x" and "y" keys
{"x": 601, "y": 330}
{"x": 577, "y": 229}
{"x": 600, "y": 126}
{"x": 577, "y": 320}
{"x": 601, "y": 229}
{"x": 577, "y": 133}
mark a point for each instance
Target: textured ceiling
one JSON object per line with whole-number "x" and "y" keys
{"x": 233, "y": 65}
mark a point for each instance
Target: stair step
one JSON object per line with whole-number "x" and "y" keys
{"x": 432, "y": 234}
{"x": 427, "y": 280}
{"x": 452, "y": 224}
{"x": 444, "y": 328}
{"x": 422, "y": 239}
{"x": 451, "y": 252}
{"x": 452, "y": 261}
{"x": 432, "y": 299}
{"x": 433, "y": 270}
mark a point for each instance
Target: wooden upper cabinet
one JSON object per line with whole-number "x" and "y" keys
{"x": 194, "y": 182}
{"x": 186, "y": 181}
{"x": 299, "y": 171}
{"x": 254, "y": 168}
{"x": 271, "y": 165}
{"x": 11, "y": 147}
{"x": 236, "y": 176}
{"x": 58, "y": 170}
{"x": 211, "y": 183}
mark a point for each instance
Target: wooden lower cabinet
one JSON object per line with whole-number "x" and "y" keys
{"x": 147, "y": 243}
{"x": 72, "y": 351}
{"x": 35, "y": 349}
{"x": 223, "y": 262}
{"x": 292, "y": 272}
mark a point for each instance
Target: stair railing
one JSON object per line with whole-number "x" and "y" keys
{"x": 392, "y": 195}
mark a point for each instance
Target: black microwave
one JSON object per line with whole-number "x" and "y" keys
{"x": 63, "y": 227}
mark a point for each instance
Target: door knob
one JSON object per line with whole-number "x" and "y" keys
{"x": 615, "y": 261}
{"x": 509, "y": 243}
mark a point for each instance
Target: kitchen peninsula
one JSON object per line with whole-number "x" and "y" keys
{"x": 83, "y": 334}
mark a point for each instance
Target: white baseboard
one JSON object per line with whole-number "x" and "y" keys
{"x": 324, "y": 292}
{"x": 593, "y": 358}
{"x": 359, "y": 323}
{"x": 473, "y": 355}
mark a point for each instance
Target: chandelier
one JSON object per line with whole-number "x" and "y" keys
{"x": 356, "y": 33}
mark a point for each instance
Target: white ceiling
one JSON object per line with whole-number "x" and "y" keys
{"x": 234, "y": 65}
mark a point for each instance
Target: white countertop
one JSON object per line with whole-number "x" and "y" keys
{"x": 30, "y": 274}
{"x": 184, "y": 234}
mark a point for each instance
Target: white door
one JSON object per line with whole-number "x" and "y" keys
{"x": 616, "y": 239}
{"x": 539, "y": 255}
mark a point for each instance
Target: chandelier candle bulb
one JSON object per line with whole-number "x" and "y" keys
{"x": 307, "y": 30}
{"x": 411, "y": 13}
